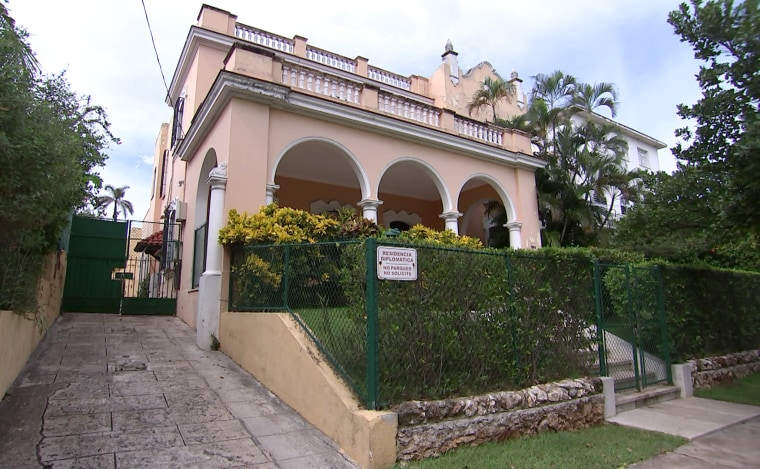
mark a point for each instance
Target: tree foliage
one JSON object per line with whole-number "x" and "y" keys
{"x": 51, "y": 142}
{"x": 707, "y": 210}
{"x": 586, "y": 172}
{"x": 725, "y": 36}
{"x": 492, "y": 91}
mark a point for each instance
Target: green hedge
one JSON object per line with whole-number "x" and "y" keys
{"x": 711, "y": 311}
{"x": 478, "y": 321}
{"x": 481, "y": 320}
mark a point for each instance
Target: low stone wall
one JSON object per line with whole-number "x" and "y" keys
{"x": 430, "y": 428}
{"x": 711, "y": 371}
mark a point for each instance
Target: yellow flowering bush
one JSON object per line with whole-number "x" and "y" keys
{"x": 423, "y": 234}
{"x": 257, "y": 281}
{"x": 275, "y": 225}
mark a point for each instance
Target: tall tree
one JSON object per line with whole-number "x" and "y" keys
{"x": 725, "y": 36}
{"x": 706, "y": 211}
{"x": 51, "y": 142}
{"x": 490, "y": 94}
{"x": 115, "y": 196}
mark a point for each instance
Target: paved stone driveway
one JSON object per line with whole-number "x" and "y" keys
{"x": 111, "y": 391}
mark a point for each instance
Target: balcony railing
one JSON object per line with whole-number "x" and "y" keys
{"x": 409, "y": 109}
{"x": 339, "y": 86}
{"x": 264, "y": 38}
{"x": 389, "y": 78}
{"x": 330, "y": 59}
{"x": 479, "y": 131}
{"x": 320, "y": 83}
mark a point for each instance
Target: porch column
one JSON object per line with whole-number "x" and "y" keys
{"x": 271, "y": 189}
{"x": 210, "y": 287}
{"x": 369, "y": 208}
{"x": 514, "y": 234}
{"x": 451, "y": 220}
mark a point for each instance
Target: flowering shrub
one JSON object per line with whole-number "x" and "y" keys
{"x": 430, "y": 236}
{"x": 275, "y": 225}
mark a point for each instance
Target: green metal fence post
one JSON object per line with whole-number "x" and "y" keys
{"x": 511, "y": 286}
{"x": 286, "y": 276}
{"x": 633, "y": 317}
{"x": 597, "y": 283}
{"x": 663, "y": 323}
{"x": 231, "y": 288}
{"x": 372, "y": 366}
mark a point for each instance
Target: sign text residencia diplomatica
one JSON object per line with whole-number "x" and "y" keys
{"x": 396, "y": 263}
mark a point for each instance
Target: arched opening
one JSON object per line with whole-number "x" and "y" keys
{"x": 200, "y": 219}
{"x": 318, "y": 175}
{"x": 487, "y": 208}
{"x": 412, "y": 193}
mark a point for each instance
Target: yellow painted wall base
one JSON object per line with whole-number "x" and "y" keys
{"x": 273, "y": 348}
{"x": 19, "y": 336}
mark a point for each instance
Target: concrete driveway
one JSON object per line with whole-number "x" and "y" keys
{"x": 108, "y": 391}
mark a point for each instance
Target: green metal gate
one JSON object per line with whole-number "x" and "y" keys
{"x": 96, "y": 252}
{"x": 631, "y": 328}
{"x": 127, "y": 267}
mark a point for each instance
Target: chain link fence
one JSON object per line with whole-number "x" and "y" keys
{"x": 634, "y": 345}
{"x": 467, "y": 322}
{"x": 308, "y": 280}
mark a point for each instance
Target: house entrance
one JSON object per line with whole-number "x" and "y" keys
{"x": 127, "y": 267}
{"x": 632, "y": 335}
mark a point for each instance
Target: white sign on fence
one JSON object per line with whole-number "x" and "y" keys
{"x": 396, "y": 263}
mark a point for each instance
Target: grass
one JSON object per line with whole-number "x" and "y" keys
{"x": 603, "y": 446}
{"x": 742, "y": 390}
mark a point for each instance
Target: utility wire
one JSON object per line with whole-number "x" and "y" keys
{"x": 154, "y": 47}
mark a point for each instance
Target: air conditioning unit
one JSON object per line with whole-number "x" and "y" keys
{"x": 180, "y": 210}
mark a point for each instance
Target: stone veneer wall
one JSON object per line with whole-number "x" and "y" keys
{"x": 430, "y": 428}
{"x": 707, "y": 372}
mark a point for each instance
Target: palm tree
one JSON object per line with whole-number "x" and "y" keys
{"x": 490, "y": 94}
{"x": 591, "y": 97}
{"x": 115, "y": 196}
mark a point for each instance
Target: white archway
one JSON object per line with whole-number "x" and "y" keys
{"x": 352, "y": 160}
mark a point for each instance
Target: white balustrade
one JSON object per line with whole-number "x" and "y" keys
{"x": 479, "y": 131}
{"x": 389, "y": 78}
{"x": 263, "y": 38}
{"x": 320, "y": 83}
{"x": 408, "y": 109}
{"x": 331, "y": 60}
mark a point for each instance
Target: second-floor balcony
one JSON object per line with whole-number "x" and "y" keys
{"x": 354, "y": 82}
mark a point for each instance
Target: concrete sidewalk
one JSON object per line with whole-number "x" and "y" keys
{"x": 134, "y": 391}
{"x": 690, "y": 418}
{"x": 735, "y": 446}
{"x": 721, "y": 434}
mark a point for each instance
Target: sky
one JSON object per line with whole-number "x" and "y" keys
{"x": 105, "y": 49}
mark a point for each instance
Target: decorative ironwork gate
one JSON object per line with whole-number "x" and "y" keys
{"x": 631, "y": 326}
{"x": 151, "y": 270}
{"x": 128, "y": 267}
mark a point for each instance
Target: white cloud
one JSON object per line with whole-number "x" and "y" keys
{"x": 106, "y": 49}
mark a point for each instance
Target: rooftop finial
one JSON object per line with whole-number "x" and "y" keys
{"x": 514, "y": 74}
{"x": 449, "y": 46}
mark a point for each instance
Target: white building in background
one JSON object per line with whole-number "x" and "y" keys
{"x": 642, "y": 151}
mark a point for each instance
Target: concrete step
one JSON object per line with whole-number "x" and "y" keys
{"x": 617, "y": 367}
{"x": 629, "y": 400}
{"x": 627, "y": 379}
